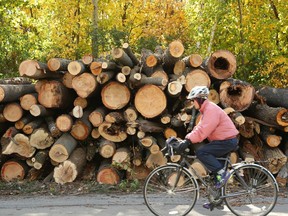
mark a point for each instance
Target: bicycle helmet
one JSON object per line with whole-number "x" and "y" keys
{"x": 198, "y": 92}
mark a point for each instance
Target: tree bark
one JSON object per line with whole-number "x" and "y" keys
{"x": 58, "y": 64}
{"x": 10, "y": 93}
{"x": 275, "y": 97}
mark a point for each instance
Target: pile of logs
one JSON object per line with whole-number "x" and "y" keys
{"x": 107, "y": 119}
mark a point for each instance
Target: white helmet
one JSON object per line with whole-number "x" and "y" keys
{"x": 198, "y": 92}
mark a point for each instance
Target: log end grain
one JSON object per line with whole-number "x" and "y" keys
{"x": 197, "y": 77}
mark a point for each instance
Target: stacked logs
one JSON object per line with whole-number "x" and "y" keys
{"x": 106, "y": 119}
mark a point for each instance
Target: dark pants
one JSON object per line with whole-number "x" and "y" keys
{"x": 207, "y": 153}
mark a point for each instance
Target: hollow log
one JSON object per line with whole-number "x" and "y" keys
{"x": 62, "y": 148}
{"x": 221, "y": 64}
{"x": 112, "y": 132}
{"x": 71, "y": 168}
{"x": 236, "y": 94}
{"x": 150, "y": 101}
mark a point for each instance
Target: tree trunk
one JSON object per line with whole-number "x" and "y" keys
{"x": 236, "y": 94}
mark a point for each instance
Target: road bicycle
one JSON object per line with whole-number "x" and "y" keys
{"x": 173, "y": 188}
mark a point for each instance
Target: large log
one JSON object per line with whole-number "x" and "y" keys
{"x": 41, "y": 138}
{"x": 275, "y": 97}
{"x": 112, "y": 132}
{"x": 13, "y": 170}
{"x": 236, "y": 94}
{"x": 196, "y": 77}
{"x": 10, "y": 93}
{"x": 64, "y": 122}
{"x": 277, "y": 116}
{"x": 71, "y": 168}
{"x": 108, "y": 174}
{"x": 85, "y": 85}
{"x": 115, "y": 95}
{"x": 221, "y": 64}
{"x": 13, "y": 112}
{"x": 150, "y": 101}
{"x": 53, "y": 94}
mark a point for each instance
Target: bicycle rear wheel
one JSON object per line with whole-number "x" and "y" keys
{"x": 251, "y": 190}
{"x": 170, "y": 190}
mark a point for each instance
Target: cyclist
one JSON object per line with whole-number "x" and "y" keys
{"x": 215, "y": 126}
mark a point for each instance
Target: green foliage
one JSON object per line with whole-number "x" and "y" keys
{"x": 255, "y": 31}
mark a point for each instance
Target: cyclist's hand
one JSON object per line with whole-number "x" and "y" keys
{"x": 183, "y": 146}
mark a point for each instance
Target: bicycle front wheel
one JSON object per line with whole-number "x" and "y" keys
{"x": 251, "y": 190}
{"x": 170, "y": 190}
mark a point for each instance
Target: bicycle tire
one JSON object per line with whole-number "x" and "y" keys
{"x": 257, "y": 196}
{"x": 163, "y": 196}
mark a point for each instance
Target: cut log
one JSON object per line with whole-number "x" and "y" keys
{"x": 126, "y": 70}
{"x": 79, "y": 101}
{"x": 38, "y": 110}
{"x": 58, "y": 64}
{"x": 193, "y": 60}
{"x": 155, "y": 160}
{"x": 136, "y": 156}
{"x": 31, "y": 126}
{"x": 150, "y": 101}
{"x": 122, "y": 158}
{"x": 174, "y": 88}
{"x": 172, "y": 54}
{"x": 19, "y": 144}
{"x": 120, "y": 77}
{"x": 85, "y": 85}
{"x": 105, "y": 76}
{"x": 214, "y": 96}
{"x": 87, "y": 58}
{"x": 199, "y": 167}
{"x": 82, "y": 127}
{"x": 51, "y": 124}
{"x": 97, "y": 116}
{"x": 41, "y": 138}
{"x": 23, "y": 121}
{"x": 67, "y": 80}
{"x": 196, "y": 77}
{"x": 27, "y": 100}
{"x": 36, "y": 70}
{"x": 269, "y": 137}
{"x": 272, "y": 115}
{"x": 247, "y": 129}
{"x": 96, "y": 68}
{"x": 70, "y": 169}
{"x": 106, "y": 148}
{"x": 115, "y": 95}
{"x": 53, "y": 94}
{"x": 107, "y": 174}
{"x": 13, "y": 170}
{"x": 62, "y": 148}
{"x": 95, "y": 133}
{"x": 77, "y": 112}
{"x": 170, "y": 132}
{"x": 10, "y": 93}
{"x": 130, "y": 114}
{"x": 149, "y": 126}
{"x": 121, "y": 57}
{"x": 77, "y": 67}
{"x": 276, "y": 159}
{"x": 112, "y": 132}
{"x": 13, "y": 112}
{"x": 156, "y": 58}
{"x": 39, "y": 159}
{"x": 6, "y": 138}
{"x": 221, "y": 64}
{"x": 138, "y": 172}
{"x": 275, "y": 97}
{"x": 236, "y": 94}
{"x": 64, "y": 122}
{"x": 126, "y": 47}
{"x": 179, "y": 67}
{"x": 115, "y": 117}
{"x": 237, "y": 118}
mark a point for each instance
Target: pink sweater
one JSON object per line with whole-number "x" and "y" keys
{"x": 215, "y": 124}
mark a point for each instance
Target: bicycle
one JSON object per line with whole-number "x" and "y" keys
{"x": 172, "y": 189}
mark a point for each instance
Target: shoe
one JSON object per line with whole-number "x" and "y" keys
{"x": 222, "y": 179}
{"x": 211, "y": 206}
